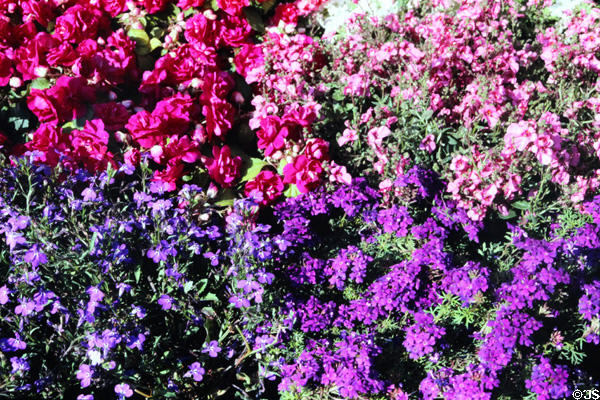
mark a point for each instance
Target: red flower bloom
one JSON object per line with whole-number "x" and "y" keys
{"x": 219, "y": 117}
{"x": 145, "y": 129}
{"x": 223, "y": 169}
{"x": 304, "y": 172}
{"x": 268, "y": 183}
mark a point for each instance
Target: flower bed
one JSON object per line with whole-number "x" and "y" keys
{"x": 299, "y": 200}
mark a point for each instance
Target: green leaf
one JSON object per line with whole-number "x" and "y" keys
{"x": 256, "y": 165}
{"x": 521, "y": 205}
{"x": 210, "y": 297}
{"x": 292, "y": 191}
{"x": 281, "y": 166}
{"x": 40, "y": 83}
{"x": 225, "y": 198}
{"x": 188, "y": 286}
{"x": 142, "y": 41}
{"x": 267, "y": 5}
{"x": 137, "y": 274}
{"x": 255, "y": 19}
{"x": 510, "y": 215}
{"x": 155, "y": 44}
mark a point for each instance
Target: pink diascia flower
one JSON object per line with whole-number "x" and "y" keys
{"x": 428, "y": 143}
{"x": 223, "y": 168}
{"x": 268, "y": 183}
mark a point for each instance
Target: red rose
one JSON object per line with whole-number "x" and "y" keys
{"x": 43, "y": 106}
{"x": 30, "y": 59}
{"x": 181, "y": 148}
{"x": 175, "y": 113}
{"x": 200, "y": 29}
{"x": 170, "y": 175}
{"x": 90, "y": 146}
{"x": 219, "y": 117}
{"x": 317, "y": 149}
{"x": 49, "y": 142}
{"x": 132, "y": 157}
{"x": 62, "y": 54}
{"x": 185, "y": 4}
{"x": 79, "y": 23}
{"x": 6, "y": 70}
{"x": 145, "y": 129}
{"x": 249, "y": 62}
{"x": 114, "y": 115}
{"x": 223, "y": 169}
{"x": 216, "y": 84}
{"x": 114, "y": 7}
{"x": 268, "y": 184}
{"x": 40, "y": 11}
{"x": 304, "y": 172}
{"x": 287, "y": 13}
{"x": 234, "y": 31}
{"x": 233, "y": 7}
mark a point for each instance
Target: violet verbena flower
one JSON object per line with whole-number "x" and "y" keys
{"x": 548, "y": 381}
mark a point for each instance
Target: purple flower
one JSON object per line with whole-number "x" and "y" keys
{"x": 212, "y": 348}
{"x": 35, "y": 257}
{"x": 16, "y": 343}
{"x": 123, "y": 287}
{"x": 136, "y": 341}
{"x": 14, "y": 239}
{"x": 19, "y": 364}
{"x": 25, "y": 307}
{"x": 138, "y": 311}
{"x": 196, "y": 372}
{"x": 89, "y": 194}
{"x": 4, "y": 292}
{"x": 123, "y": 390}
{"x": 165, "y": 302}
{"x": 548, "y": 381}
{"x": 96, "y": 294}
{"x": 85, "y": 397}
{"x": 421, "y": 337}
{"x": 84, "y": 374}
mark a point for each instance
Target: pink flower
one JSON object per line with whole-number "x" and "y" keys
{"x": 428, "y": 143}
{"x": 170, "y": 175}
{"x": 233, "y": 7}
{"x": 219, "y": 117}
{"x": 90, "y": 146}
{"x": 132, "y": 157}
{"x": 338, "y": 173}
{"x": 317, "y": 149}
{"x": 348, "y": 136}
{"x": 459, "y": 164}
{"x": 222, "y": 168}
{"x": 145, "y": 129}
{"x": 268, "y": 184}
{"x": 304, "y": 172}
{"x": 520, "y": 135}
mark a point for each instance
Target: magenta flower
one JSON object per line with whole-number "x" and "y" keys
{"x": 123, "y": 390}
{"x": 196, "y": 372}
